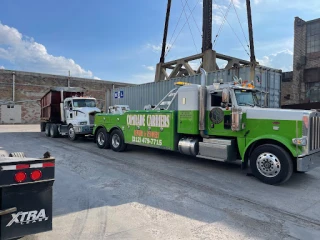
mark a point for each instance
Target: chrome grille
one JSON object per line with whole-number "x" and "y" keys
{"x": 91, "y": 119}
{"x": 314, "y": 139}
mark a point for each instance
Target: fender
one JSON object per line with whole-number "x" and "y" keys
{"x": 283, "y": 140}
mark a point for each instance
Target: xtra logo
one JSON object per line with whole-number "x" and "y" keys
{"x": 28, "y": 217}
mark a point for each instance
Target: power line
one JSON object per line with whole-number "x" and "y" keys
{"x": 240, "y": 23}
{"x": 169, "y": 48}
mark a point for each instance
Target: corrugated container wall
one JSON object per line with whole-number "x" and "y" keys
{"x": 266, "y": 79}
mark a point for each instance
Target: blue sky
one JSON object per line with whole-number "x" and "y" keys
{"x": 121, "y": 40}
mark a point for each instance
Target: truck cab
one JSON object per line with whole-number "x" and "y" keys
{"x": 79, "y": 112}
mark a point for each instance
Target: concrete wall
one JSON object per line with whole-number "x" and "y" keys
{"x": 30, "y": 87}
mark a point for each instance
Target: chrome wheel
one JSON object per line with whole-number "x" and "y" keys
{"x": 101, "y": 138}
{"x": 115, "y": 140}
{"x": 71, "y": 132}
{"x": 268, "y": 164}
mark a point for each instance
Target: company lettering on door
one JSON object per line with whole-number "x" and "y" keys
{"x": 148, "y": 137}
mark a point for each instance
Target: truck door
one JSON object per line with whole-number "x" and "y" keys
{"x": 69, "y": 110}
{"x": 219, "y": 117}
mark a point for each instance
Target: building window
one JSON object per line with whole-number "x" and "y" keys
{"x": 313, "y": 92}
{"x": 313, "y": 37}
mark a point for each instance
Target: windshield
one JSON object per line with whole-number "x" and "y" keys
{"x": 84, "y": 103}
{"x": 246, "y": 97}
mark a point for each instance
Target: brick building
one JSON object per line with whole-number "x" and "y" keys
{"x": 302, "y": 86}
{"x": 20, "y": 93}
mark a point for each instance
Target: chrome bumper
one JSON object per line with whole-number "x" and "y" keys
{"x": 307, "y": 163}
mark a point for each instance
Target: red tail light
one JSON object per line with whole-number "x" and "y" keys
{"x": 49, "y": 164}
{"x": 36, "y": 175}
{"x": 20, "y": 177}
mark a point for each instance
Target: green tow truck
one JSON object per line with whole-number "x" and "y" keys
{"x": 221, "y": 122}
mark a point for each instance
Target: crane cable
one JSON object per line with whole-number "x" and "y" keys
{"x": 232, "y": 28}
{"x": 193, "y": 18}
{"x": 190, "y": 28}
{"x": 170, "y": 46}
{"x": 240, "y": 24}
{"x": 221, "y": 25}
{"x": 176, "y": 26}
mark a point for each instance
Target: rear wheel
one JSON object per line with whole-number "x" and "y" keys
{"x": 54, "y": 131}
{"x": 103, "y": 138}
{"x": 117, "y": 141}
{"x": 271, "y": 164}
{"x": 71, "y": 133}
{"x": 47, "y": 129}
{"x": 42, "y": 126}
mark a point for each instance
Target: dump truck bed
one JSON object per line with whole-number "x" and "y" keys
{"x": 50, "y": 102}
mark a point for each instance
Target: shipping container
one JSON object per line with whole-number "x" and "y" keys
{"x": 138, "y": 96}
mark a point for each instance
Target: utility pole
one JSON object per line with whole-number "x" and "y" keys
{"x": 209, "y": 56}
{"x": 252, "y": 55}
{"x": 166, "y": 25}
{"x": 207, "y": 26}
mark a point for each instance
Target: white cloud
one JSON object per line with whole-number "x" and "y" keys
{"x": 28, "y": 55}
{"x": 257, "y": 1}
{"x": 157, "y": 48}
{"x": 281, "y": 60}
{"x": 2, "y": 67}
{"x": 142, "y": 78}
{"x": 96, "y": 78}
{"x": 151, "y": 68}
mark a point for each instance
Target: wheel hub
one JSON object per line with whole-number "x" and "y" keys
{"x": 268, "y": 165}
{"x": 71, "y": 132}
{"x": 115, "y": 141}
{"x": 101, "y": 139}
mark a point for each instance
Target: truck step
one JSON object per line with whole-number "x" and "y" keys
{"x": 218, "y": 149}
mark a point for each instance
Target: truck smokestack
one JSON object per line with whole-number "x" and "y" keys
{"x": 202, "y": 102}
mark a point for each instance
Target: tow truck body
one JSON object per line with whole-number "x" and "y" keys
{"x": 221, "y": 122}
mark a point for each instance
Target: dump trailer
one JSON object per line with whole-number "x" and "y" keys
{"x": 65, "y": 111}
{"x": 26, "y": 186}
{"x": 220, "y": 122}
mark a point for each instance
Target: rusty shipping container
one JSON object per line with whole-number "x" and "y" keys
{"x": 138, "y": 96}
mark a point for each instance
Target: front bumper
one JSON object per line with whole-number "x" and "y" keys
{"x": 83, "y": 129}
{"x": 309, "y": 162}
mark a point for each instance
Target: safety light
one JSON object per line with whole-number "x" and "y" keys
{"x": 36, "y": 175}
{"x": 20, "y": 177}
{"x": 305, "y": 120}
{"x": 300, "y": 141}
{"x": 181, "y": 83}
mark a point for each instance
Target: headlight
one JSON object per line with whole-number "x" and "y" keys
{"x": 83, "y": 123}
{"x": 300, "y": 141}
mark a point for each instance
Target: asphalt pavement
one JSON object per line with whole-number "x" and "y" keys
{"x": 145, "y": 193}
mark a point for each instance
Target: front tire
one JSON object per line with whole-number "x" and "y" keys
{"x": 117, "y": 141}
{"x": 71, "y": 133}
{"x": 271, "y": 164}
{"x": 103, "y": 138}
